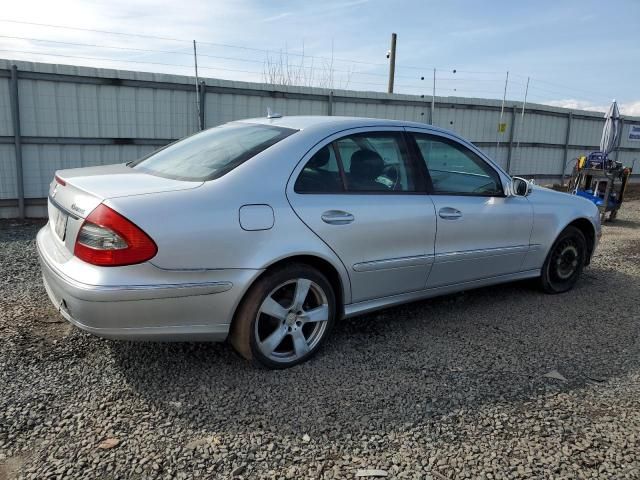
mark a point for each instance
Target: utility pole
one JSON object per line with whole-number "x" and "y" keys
{"x": 433, "y": 98}
{"x": 195, "y": 62}
{"x": 392, "y": 62}
{"x": 524, "y": 104}
{"x": 504, "y": 97}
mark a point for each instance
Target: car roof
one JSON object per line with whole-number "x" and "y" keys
{"x": 307, "y": 122}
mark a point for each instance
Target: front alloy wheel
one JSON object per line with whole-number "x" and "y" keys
{"x": 285, "y": 317}
{"x": 565, "y": 261}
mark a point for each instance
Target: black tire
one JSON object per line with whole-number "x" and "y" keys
{"x": 565, "y": 261}
{"x": 247, "y": 337}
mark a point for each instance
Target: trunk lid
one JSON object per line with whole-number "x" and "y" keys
{"x": 75, "y": 193}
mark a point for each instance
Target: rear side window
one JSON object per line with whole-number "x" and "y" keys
{"x": 321, "y": 174}
{"x": 213, "y": 152}
{"x": 375, "y": 162}
{"x": 456, "y": 170}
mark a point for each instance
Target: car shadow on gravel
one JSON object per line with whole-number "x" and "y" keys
{"x": 403, "y": 364}
{"x": 625, "y": 224}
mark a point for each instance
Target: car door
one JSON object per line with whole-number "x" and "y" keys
{"x": 481, "y": 233}
{"x": 359, "y": 192}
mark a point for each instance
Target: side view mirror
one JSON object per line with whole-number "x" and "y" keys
{"x": 520, "y": 187}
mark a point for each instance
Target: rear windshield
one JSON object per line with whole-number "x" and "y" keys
{"x": 211, "y": 153}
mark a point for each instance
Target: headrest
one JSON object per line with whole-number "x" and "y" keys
{"x": 320, "y": 159}
{"x": 366, "y": 164}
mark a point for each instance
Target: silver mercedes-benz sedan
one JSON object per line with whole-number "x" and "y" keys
{"x": 268, "y": 231}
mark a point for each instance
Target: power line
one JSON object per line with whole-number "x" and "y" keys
{"x": 172, "y": 39}
{"x": 462, "y": 91}
{"x": 206, "y": 67}
{"x": 227, "y": 45}
{"x": 262, "y": 50}
{"x": 128, "y": 61}
{"x": 96, "y": 45}
{"x": 252, "y": 72}
{"x": 66, "y": 27}
{"x": 599, "y": 94}
{"x": 169, "y": 52}
{"x": 224, "y": 45}
{"x": 279, "y": 52}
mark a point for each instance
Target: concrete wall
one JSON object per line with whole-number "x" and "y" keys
{"x": 78, "y": 116}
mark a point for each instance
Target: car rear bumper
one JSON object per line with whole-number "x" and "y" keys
{"x": 141, "y": 302}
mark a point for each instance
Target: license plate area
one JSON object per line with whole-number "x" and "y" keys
{"x": 59, "y": 221}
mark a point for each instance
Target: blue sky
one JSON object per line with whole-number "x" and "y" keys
{"x": 576, "y": 53}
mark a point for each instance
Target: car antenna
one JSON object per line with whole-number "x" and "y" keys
{"x": 272, "y": 114}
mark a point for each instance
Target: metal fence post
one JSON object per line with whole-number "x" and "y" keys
{"x": 511, "y": 136}
{"x": 330, "y": 104}
{"x": 566, "y": 148}
{"x": 201, "y": 95}
{"x": 17, "y": 141}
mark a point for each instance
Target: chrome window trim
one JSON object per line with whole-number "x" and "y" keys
{"x": 505, "y": 178}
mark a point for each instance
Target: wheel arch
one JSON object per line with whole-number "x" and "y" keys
{"x": 340, "y": 287}
{"x": 323, "y": 266}
{"x": 589, "y": 232}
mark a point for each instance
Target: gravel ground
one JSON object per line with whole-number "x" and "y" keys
{"x": 455, "y": 387}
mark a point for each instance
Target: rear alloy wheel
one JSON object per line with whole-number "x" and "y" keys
{"x": 565, "y": 261}
{"x": 285, "y": 317}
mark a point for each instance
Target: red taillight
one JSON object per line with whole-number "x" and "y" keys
{"x": 108, "y": 239}
{"x": 60, "y": 181}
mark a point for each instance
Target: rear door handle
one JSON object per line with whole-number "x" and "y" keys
{"x": 337, "y": 217}
{"x": 449, "y": 213}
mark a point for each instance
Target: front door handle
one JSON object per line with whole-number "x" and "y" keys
{"x": 337, "y": 217}
{"x": 449, "y": 213}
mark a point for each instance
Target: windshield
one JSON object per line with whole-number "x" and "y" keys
{"x": 211, "y": 153}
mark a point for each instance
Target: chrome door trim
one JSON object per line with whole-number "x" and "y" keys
{"x": 481, "y": 253}
{"x": 359, "y": 308}
{"x": 414, "y": 261}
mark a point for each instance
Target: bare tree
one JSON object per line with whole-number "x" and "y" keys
{"x": 282, "y": 70}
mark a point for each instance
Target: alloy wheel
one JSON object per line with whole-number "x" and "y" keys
{"x": 292, "y": 320}
{"x": 565, "y": 260}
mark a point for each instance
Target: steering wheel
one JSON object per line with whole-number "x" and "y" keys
{"x": 391, "y": 173}
{"x": 483, "y": 188}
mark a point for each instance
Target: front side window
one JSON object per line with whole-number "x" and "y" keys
{"x": 456, "y": 170}
{"x": 211, "y": 153}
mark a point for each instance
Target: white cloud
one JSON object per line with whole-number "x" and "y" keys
{"x": 577, "y": 104}
{"x": 632, "y": 108}
{"x": 629, "y": 109}
{"x": 233, "y": 36}
{"x": 277, "y": 17}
